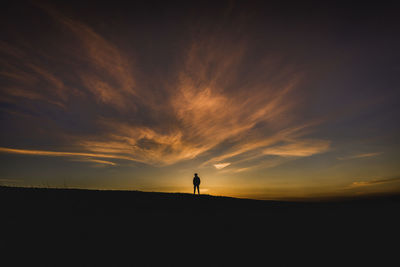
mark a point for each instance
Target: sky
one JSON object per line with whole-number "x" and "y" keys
{"x": 263, "y": 99}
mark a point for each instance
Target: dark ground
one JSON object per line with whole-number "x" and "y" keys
{"x": 67, "y": 227}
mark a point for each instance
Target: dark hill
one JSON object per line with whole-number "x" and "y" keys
{"x": 70, "y": 227}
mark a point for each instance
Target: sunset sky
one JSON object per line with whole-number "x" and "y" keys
{"x": 266, "y": 100}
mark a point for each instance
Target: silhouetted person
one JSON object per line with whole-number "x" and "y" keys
{"x": 196, "y": 183}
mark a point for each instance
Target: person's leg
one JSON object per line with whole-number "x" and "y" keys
{"x": 194, "y": 192}
{"x": 198, "y": 189}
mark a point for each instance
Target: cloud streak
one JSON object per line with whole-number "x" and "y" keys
{"x": 220, "y": 166}
{"x": 375, "y": 182}
{"x": 102, "y": 162}
{"x": 360, "y": 156}
{"x": 301, "y": 148}
{"x": 62, "y": 154}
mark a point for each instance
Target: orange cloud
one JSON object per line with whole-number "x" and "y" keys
{"x": 219, "y": 166}
{"x": 29, "y": 80}
{"x": 108, "y": 63}
{"x": 302, "y": 148}
{"x": 144, "y": 144}
{"x": 108, "y": 74}
{"x": 61, "y": 154}
{"x": 255, "y": 146}
{"x": 375, "y": 182}
{"x": 102, "y": 162}
{"x": 362, "y": 155}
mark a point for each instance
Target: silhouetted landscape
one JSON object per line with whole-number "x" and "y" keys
{"x": 71, "y": 227}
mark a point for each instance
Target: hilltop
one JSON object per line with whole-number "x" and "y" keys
{"x": 168, "y": 228}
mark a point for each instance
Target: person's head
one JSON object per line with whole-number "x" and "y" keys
{"x": 195, "y": 174}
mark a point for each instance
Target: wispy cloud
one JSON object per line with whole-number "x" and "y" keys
{"x": 375, "y": 182}
{"x": 247, "y": 164}
{"x": 62, "y": 154}
{"x": 220, "y": 166}
{"x": 144, "y": 144}
{"x": 102, "y": 162}
{"x": 26, "y": 77}
{"x": 300, "y": 148}
{"x": 111, "y": 79}
{"x": 284, "y": 143}
{"x": 107, "y": 76}
{"x": 362, "y": 155}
